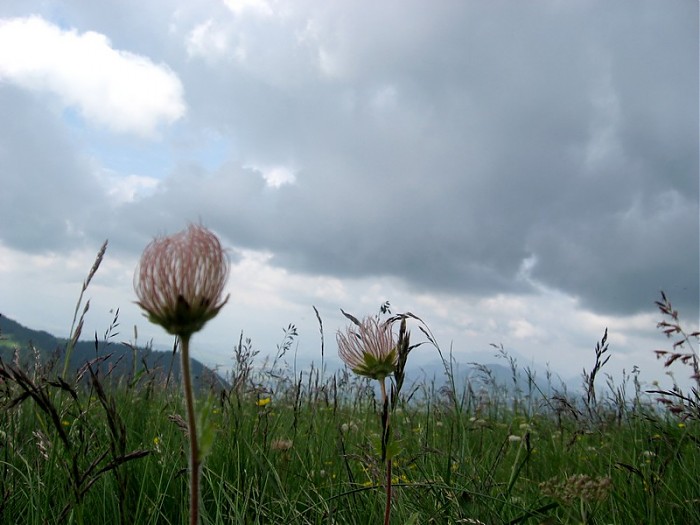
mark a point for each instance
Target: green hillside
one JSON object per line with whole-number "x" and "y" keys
{"x": 111, "y": 358}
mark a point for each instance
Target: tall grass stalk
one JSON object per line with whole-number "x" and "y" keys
{"x": 76, "y": 329}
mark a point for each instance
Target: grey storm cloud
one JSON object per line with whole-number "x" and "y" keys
{"x": 476, "y": 147}
{"x": 49, "y": 194}
{"x": 454, "y": 153}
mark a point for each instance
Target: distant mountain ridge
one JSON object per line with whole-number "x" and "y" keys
{"x": 491, "y": 375}
{"x": 114, "y": 358}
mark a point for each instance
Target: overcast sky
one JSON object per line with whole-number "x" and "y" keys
{"x": 523, "y": 173}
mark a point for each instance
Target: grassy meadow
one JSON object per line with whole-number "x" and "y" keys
{"x": 300, "y": 447}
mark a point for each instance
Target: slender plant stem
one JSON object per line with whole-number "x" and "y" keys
{"x": 385, "y": 455}
{"x": 192, "y": 431}
{"x": 387, "y": 508}
{"x": 385, "y": 418}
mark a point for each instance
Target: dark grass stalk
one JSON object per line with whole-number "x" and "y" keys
{"x": 320, "y": 328}
{"x": 76, "y": 330}
{"x": 172, "y": 362}
{"x": 601, "y": 359}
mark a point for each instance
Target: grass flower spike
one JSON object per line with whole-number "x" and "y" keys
{"x": 368, "y": 348}
{"x": 180, "y": 280}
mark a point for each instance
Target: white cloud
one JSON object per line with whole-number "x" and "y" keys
{"x": 278, "y": 176}
{"x": 117, "y": 89}
{"x": 275, "y": 176}
{"x": 521, "y": 329}
{"x": 258, "y": 284}
{"x": 260, "y": 7}
{"x": 208, "y": 41}
{"x": 122, "y": 189}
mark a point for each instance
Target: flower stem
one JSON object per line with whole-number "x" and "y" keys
{"x": 191, "y": 430}
{"x": 387, "y": 508}
{"x": 385, "y": 445}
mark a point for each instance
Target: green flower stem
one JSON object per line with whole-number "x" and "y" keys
{"x": 385, "y": 446}
{"x": 195, "y": 464}
{"x": 387, "y": 508}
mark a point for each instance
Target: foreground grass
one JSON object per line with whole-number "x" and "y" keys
{"x": 302, "y": 449}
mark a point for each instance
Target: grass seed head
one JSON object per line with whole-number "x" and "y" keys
{"x": 577, "y": 487}
{"x": 281, "y": 445}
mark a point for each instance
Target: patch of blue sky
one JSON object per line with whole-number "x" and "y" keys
{"x": 120, "y": 153}
{"x": 207, "y": 148}
{"x": 128, "y": 155}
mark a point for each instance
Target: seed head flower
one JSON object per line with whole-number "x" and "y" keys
{"x": 281, "y": 445}
{"x": 368, "y": 348}
{"x": 180, "y": 280}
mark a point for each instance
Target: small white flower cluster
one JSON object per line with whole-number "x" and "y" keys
{"x": 348, "y": 427}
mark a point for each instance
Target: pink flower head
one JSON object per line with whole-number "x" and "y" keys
{"x": 180, "y": 280}
{"x": 368, "y": 348}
